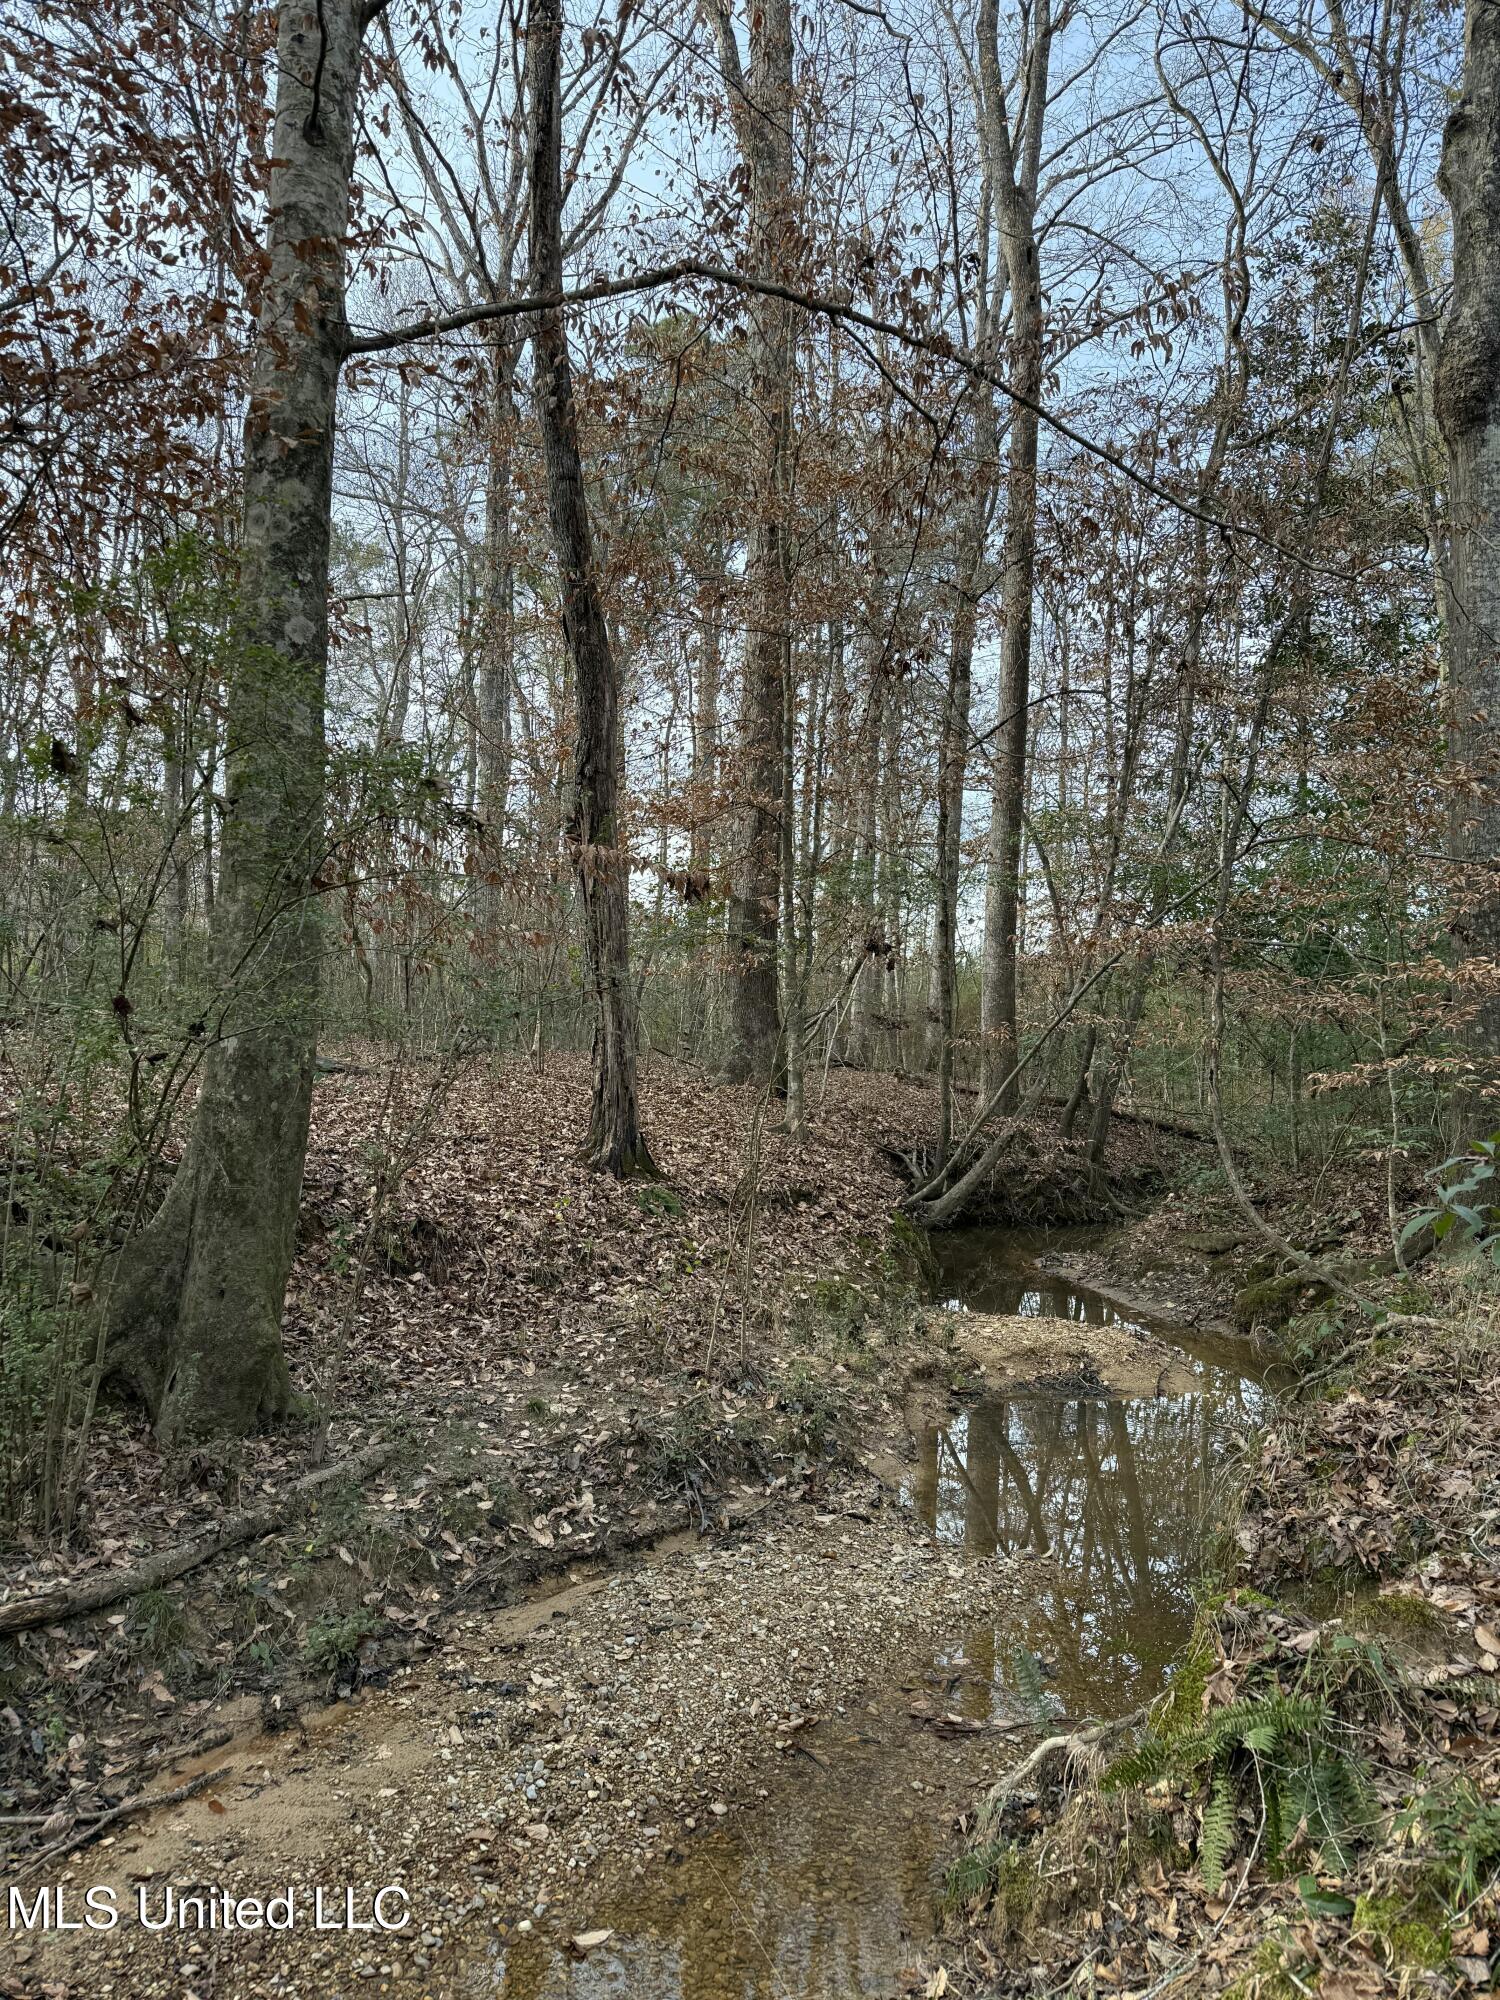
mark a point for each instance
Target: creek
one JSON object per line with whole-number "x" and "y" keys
{"x": 827, "y": 1891}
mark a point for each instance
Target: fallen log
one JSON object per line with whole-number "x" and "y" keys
{"x": 46, "y": 1607}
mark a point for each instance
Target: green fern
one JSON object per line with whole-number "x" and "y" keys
{"x": 1473, "y": 1691}
{"x": 973, "y": 1874}
{"x": 1270, "y": 1753}
{"x": 1153, "y": 1759}
{"x": 1216, "y": 1836}
{"x": 1261, "y": 1725}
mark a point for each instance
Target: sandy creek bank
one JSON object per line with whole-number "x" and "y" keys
{"x": 739, "y": 1755}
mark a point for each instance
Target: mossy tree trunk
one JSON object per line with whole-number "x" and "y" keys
{"x": 195, "y": 1313}
{"x": 1467, "y": 398}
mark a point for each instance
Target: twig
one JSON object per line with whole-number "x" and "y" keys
{"x": 142, "y": 1802}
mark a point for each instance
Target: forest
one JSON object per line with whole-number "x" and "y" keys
{"x": 750, "y": 964}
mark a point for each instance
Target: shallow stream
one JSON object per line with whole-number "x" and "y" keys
{"x": 826, "y": 1892}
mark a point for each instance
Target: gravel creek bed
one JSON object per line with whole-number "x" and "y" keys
{"x": 546, "y": 1752}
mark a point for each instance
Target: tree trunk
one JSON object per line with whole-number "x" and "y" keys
{"x": 195, "y": 1315}
{"x": 760, "y": 106}
{"x": 706, "y": 721}
{"x": 600, "y": 860}
{"x": 1014, "y": 173}
{"x": 497, "y": 630}
{"x": 1079, "y": 1096}
{"x": 1468, "y": 411}
{"x": 953, "y": 759}
{"x": 176, "y": 798}
{"x": 1003, "y": 890}
{"x": 889, "y": 882}
{"x": 794, "y": 1005}
{"x": 868, "y": 940}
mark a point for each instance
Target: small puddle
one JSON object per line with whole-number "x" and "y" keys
{"x": 826, "y": 1891}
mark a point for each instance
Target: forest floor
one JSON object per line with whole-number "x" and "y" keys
{"x": 570, "y": 1370}
{"x": 563, "y": 1364}
{"x": 636, "y": 1578}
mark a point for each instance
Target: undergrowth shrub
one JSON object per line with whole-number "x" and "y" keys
{"x": 333, "y": 1640}
{"x": 1270, "y": 1757}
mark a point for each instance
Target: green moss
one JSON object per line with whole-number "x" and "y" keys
{"x": 658, "y": 1200}
{"x": 1273, "y": 1301}
{"x": 1412, "y": 1932}
{"x": 1270, "y": 1976}
{"x": 1400, "y": 1614}
{"x": 1180, "y": 1709}
{"x": 1213, "y": 1242}
{"x": 910, "y": 1253}
{"x": 1001, "y": 1877}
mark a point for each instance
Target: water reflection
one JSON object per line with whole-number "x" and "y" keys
{"x": 1111, "y": 1497}
{"x": 827, "y": 1893}
{"x": 1115, "y": 1493}
{"x": 825, "y": 1901}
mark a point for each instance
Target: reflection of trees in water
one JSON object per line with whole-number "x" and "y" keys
{"x": 1117, "y": 1491}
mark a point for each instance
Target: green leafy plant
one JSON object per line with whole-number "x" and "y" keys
{"x": 809, "y": 1413}
{"x": 1459, "y": 1829}
{"x": 1272, "y": 1754}
{"x": 1467, "y": 1198}
{"x": 333, "y": 1640}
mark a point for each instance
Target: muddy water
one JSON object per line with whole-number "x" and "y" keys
{"x": 826, "y": 1892}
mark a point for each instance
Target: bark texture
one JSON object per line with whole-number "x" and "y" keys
{"x": 760, "y": 105}
{"x": 1013, "y": 165}
{"x": 969, "y": 582}
{"x": 195, "y": 1315}
{"x": 497, "y": 628}
{"x": 1468, "y": 378}
{"x": 601, "y": 863}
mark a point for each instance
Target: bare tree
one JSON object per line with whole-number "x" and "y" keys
{"x": 600, "y": 857}
{"x": 1013, "y": 169}
{"x": 760, "y": 107}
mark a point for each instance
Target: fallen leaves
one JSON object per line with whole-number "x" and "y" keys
{"x": 532, "y": 1308}
{"x": 583, "y": 1942}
